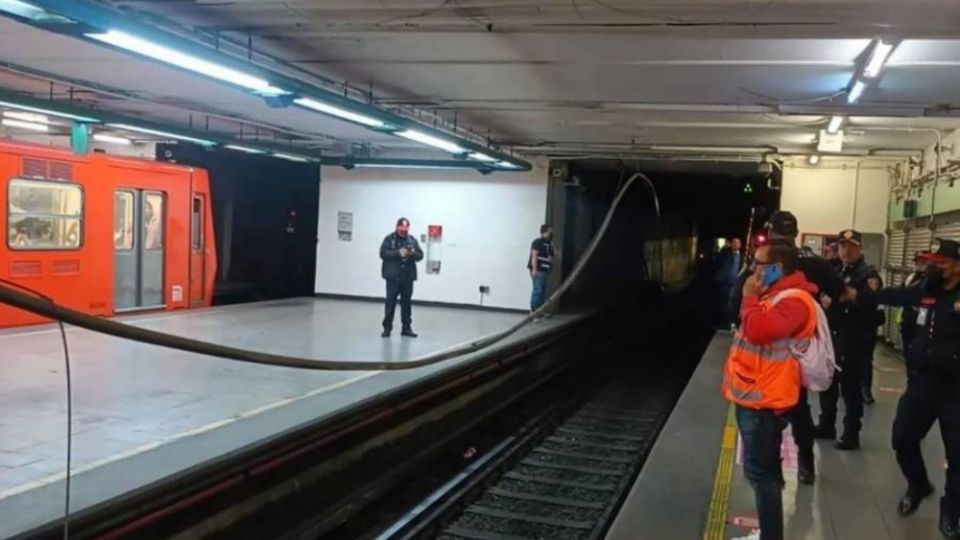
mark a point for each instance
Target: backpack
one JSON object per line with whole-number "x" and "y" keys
{"x": 816, "y": 357}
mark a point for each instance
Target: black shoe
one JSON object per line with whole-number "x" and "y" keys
{"x": 848, "y": 443}
{"x": 385, "y": 334}
{"x": 806, "y": 472}
{"x": 408, "y": 333}
{"x": 825, "y": 432}
{"x": 912, "y": 498}
{"x": 868, "y": 397}
{"x": 949, "y": 524}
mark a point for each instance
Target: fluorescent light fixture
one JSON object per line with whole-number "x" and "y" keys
{"x": 290, "y": 157}
{"x": 856, "y": 92}
{"x": 113, "y": 139}
{"x": 507, "y": 165}
{"x": 430, "y": 140}
{"x": 407, "y": 166}
{"x": 171, "y": 56}
{"x": 479, "y": 156}
{"x": 32, "y": 126}
{"x": 246, "y": 149}
{"x": 21, "y": 9}
{"x": 48, "y": 112}
{"x": 338, "y": 112}
{"x": 835, "y": 124}
{"x": 27, "y": 117}
{"x": 813, "y": 159}
{"x": 148, "y": 131}
{"x": 878, "y": 57}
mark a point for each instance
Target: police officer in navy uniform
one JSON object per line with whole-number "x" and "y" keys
{"x": 933, "y": 382}
{"x": 400, "y": 253}
{"x": 852, "y": 323}
{"x": 908, "y": 318}
{"x": 782, "y": 227}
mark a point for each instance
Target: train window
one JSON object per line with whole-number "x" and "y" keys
{"x": 44, "y": 215}
{"x": 196, "y": 224}
{"x": 153, "y": 207}
{"x": 123, "y": 220}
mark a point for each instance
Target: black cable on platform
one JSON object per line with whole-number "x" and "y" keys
{"x": 52, "y": 310}
{"x": 69, "y": 384}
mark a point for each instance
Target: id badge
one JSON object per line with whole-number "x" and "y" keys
{"x": 922, "y": 316}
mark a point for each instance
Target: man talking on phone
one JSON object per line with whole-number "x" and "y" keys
{"x": 400, "y": 253}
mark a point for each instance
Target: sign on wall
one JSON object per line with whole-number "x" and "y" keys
{"x": 345, "y": 226}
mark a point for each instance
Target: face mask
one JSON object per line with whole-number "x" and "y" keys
{"x": 771, "y": 275}
{"x": 934, "y": 278}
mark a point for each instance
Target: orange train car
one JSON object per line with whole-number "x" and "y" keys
{"x": 104, "y": 234}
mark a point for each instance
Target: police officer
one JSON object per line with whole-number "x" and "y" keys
{"x": 908, "y": 316}
{"x": 933, "y": 382}
{"x": 852, "y": 323}
{"x": 783, "y": 228}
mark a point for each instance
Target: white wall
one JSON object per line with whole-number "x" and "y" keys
{"x": 488, "y": 224}
{"x": 828, "y": 198}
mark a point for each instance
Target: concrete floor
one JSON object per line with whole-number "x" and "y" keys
{"x": 855, "y": 495}
{"x": 142, "y": 412}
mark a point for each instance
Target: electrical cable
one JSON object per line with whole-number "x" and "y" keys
{"x": 69, "y": 387}
{"x": 52, "y": 310}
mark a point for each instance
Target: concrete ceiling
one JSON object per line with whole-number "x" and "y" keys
{"x": 553, "y": 77}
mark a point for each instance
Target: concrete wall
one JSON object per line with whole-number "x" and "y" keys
{"x": 488, "y": 224}
{"x": 833, "y": 195}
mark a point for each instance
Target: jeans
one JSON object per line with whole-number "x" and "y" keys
{"x": 402, "y": 288}
{"x": 762, "y": 434}
{"x": 538, "y": 296}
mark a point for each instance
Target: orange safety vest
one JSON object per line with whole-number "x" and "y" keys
{"x": 767, "y": 376}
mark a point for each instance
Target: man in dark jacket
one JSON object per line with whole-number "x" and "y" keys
{"x": 908, "y": 317}
{"x": 400, "y": 253}
{"x": 783, "y": 228}
{"x": 853, "y": 322}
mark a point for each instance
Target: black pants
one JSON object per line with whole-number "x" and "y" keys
{"x": 846, "y": 383}
{"x": 402, "y": 288}
{"x": 924, "y": 402}
{"x": 867, "y": 367}
{"x": 801, "y": 424}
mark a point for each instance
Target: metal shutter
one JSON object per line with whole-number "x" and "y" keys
{"x": 917, "y": 240}
{"x": 950, "y": 231}
{"x": 897, "y": 242}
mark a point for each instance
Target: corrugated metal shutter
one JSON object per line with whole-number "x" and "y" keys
{"x": 949, "y": 231}
{"x": 894, "y": 276}
{"x": 917, "y": 240}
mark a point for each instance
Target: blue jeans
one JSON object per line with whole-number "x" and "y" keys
{"x": 538, "y": 296}
{"x": 762, "y": 434}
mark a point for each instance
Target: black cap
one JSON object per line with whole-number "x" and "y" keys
{"x": 943, "y": 249}
{"x": 850, "y": 235}
{"x": 783, "y": 223}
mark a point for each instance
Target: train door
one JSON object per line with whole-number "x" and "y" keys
{"x": 198, "y": 267}
{"x": 139, "y": 220}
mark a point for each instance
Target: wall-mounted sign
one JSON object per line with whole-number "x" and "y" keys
{"x": 345, "y": 226}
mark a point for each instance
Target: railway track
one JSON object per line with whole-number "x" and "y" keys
{"x": 561, "y": 478}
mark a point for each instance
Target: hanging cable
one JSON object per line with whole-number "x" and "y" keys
{"x": 69, "y": 386}
{"x": 50, "y": 309}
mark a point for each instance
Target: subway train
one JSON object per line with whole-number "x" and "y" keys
{"x": 153, "y": 251}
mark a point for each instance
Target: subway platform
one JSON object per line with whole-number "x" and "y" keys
{"x": 692, "y": 486}
{"x": 143, "y": 413}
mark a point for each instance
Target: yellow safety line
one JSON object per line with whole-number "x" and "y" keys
{"x": 720, "y": 498}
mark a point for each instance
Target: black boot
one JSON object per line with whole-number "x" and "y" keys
{"x": 822, "y": 431}
{"x": 848, "y": 442}
{"x": 408, "y": 332}
{"x": 949, "y": 526}
{"x": 386, "y": 333}
{"x": 806, "y": 470}
{"x": 867, "y": 396}
{"x": 912, "y": 498}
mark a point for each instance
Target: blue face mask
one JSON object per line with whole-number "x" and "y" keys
{"x": 771, "y": 275}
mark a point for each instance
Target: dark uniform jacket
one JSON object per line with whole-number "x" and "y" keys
{"x": 395, "y": 266}
{"x": 855, "y": 323}
{"x": 935, "y": 350}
